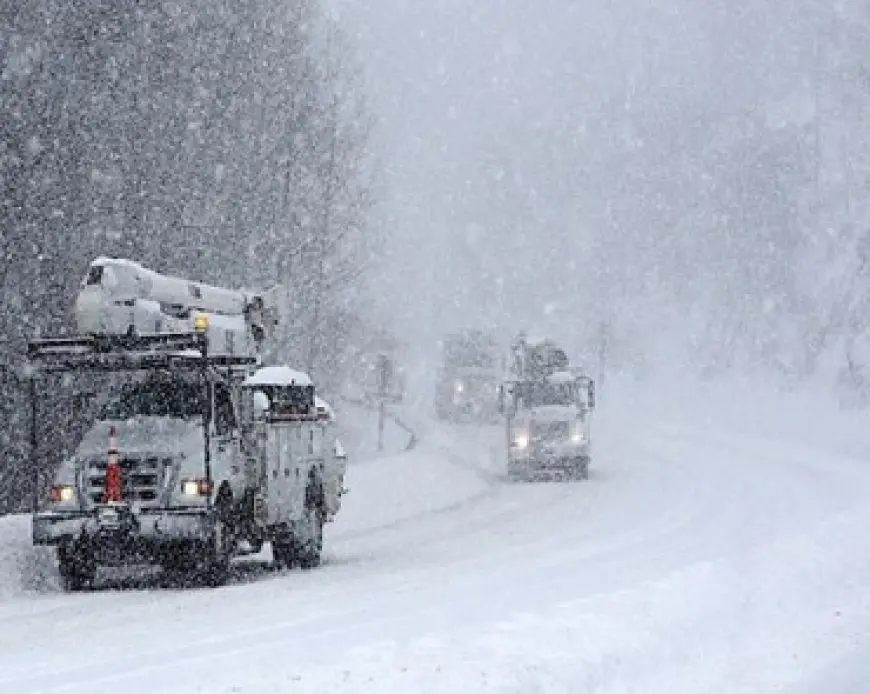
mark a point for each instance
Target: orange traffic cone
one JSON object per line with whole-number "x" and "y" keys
{"x": 112, "y": 492}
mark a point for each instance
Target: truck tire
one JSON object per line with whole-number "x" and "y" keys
{"x": 582, "y": 470}
{"x": 212, "y": 557}
{"x": 517, "y": 472}
{"x": 178, "y": 564}
{"x": 77, "y": 567}
{"x": 309, "y": 537}
{"x": 213, "y": 560}
{"x": 283, "y": 551}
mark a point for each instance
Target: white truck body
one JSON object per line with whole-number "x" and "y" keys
{"x": 288, "y": 448}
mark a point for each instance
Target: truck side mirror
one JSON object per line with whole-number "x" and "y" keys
{"x": 261, "y": 404}
{"x": 339, "y": 451}
{"x": 591, "y": 394}
{"x": 501, "y": 399}
{"x": 509, "y": 402}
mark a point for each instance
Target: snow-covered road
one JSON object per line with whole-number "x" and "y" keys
{"x": 712, "y": 550}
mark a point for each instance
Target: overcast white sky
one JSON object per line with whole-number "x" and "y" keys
{"x": 497, "y": 121}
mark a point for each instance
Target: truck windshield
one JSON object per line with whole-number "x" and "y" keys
{"x": 157, "y": 398}
{"x": 95, "y": 275}
{"x": 460, "y": 356}
{"x": 544, "y": 394}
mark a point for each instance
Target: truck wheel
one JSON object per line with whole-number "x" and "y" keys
{"x": 213, "y": 556}
{"x": 517, "y": 473}
{"x": 213, "y": 566}
{"x": 77, "y": 566}
{"x": 583, "y": 469}
{"x": 309, "y": 537}
{"x": 283, "y": 551}
{"x": 178, "y": 564}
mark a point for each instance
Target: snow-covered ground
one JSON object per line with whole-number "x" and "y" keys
{"x": 720, "y": 546}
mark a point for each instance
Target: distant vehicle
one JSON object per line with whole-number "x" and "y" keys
{"x": 547, "y": 405}
{"x": 467, "y": 387}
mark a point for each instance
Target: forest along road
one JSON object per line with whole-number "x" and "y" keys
{"x": 693, "y": 560}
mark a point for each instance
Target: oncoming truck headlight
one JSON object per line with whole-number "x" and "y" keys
{"x": 521, "y": 440}
{"x": 578, "y": 436}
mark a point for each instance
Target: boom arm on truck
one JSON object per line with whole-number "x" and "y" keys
{"x": 118, "y": 296}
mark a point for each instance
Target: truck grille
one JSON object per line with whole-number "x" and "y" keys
{"x": 550, "y": 431}
{"x": 141, "y": 477}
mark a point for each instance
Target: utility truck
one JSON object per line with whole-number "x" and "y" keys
{"x": 467, "y": 382}
{"x": 199, "y": 452}
{"x": 547, "y": 406}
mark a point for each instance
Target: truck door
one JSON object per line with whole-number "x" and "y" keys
{"x": 285, "y": 464}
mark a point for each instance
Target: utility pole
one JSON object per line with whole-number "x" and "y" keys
{"x": 603, "y": 348}
{"x": 385, "y": 371}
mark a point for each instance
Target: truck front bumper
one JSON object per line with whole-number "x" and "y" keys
{"x": 559, "y": 457}
{"x": 147, "y": 527}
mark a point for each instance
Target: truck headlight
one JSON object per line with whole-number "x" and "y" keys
{"x": 197, "y": 487}
{"x": 578, "y": 435}
{"x": 521, "y": 441}
{"x": 61, "y": 493}
{"x": 458, "y": 387}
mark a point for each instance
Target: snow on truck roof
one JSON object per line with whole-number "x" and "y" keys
{"x": 278, "y": 376}
{"x": 106, "y": 260}
{"x": 562, "y": 377}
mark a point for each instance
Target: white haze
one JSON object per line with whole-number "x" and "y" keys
{"x": 559, "y": 165}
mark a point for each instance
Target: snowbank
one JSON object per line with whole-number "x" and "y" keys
{"x": 395, "y": 489}
{"x": 807, "y": 415}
